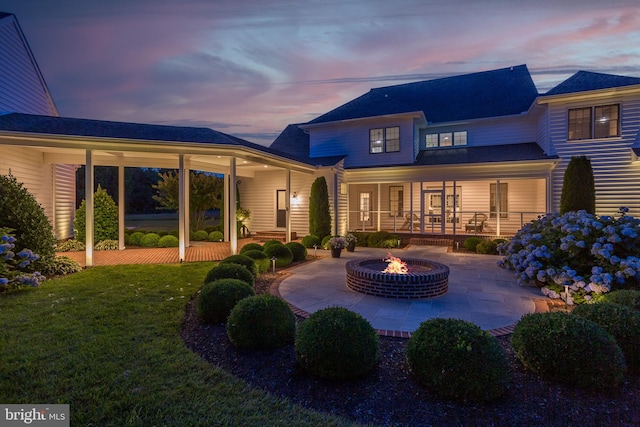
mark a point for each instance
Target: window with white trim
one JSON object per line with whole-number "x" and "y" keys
{"x": 383, "y": 140}
{"x": 504, "y": 200}
{"x": 446, "y": 139}
{"x": 602, "y": 121}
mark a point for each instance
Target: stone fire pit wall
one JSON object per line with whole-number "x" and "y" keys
{"x": 430, "y": 279}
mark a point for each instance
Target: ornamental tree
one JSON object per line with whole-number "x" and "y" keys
{"x": 578, "y": 187}
{"x": 105, "y": 218}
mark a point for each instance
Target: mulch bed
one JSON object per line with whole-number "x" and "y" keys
{"x": 389, "y": 396}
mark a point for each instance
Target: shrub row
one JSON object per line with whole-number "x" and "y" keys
{"x": 482, "y": 246}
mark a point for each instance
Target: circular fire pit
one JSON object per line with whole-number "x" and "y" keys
{"x": 424, "y": 279}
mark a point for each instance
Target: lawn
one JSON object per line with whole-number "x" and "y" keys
{"x": 107, "y": 342}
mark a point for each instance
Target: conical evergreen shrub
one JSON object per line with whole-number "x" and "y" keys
{"x": 578, "y": 188}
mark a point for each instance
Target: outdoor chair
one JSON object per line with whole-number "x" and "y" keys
{"x": 408, "y": 219}
{"x": 476, "y": 223}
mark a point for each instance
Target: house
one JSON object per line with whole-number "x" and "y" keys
{"x": 481, "y": 153}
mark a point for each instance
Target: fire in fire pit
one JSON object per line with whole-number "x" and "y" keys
{"x": 395, "y": 265}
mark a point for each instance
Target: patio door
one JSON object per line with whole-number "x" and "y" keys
{"x": 365, "y": 203}
{"x": 433, "y": 210}
{"x": 281, "y": 208}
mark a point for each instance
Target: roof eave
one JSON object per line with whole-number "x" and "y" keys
{"x": 611, "y": 91}
{"x": 412, "y": 114}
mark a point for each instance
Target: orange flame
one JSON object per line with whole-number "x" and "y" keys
{"x": 395, "y": 265}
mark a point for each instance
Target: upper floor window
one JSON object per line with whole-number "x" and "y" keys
{"x": 384, "y": 140}
{"x": 446, "y": 139}
{"x": 594, "y": 122}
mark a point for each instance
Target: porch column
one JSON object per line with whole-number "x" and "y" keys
{"x": 498, "y": 205}
{"x": 455, "y": 208}
{"x": 288, "y": 204}
{"x": 187, "y": 205}
{"x": 411, "y": 207}
{"x": 336, "y": 230}
{"x": 181, "y": 207}
{"x": 443, "y": 208}
{"x": 121, "y": 202}
{"x": 378, "y": 207}
{"x": 88, "y": 197}
{"x": 231, "y": 218}
{"x": 225, "y": 208}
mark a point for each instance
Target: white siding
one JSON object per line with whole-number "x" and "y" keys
{"x": 22, "y": 88}
{"x": 65, "y": 200}
{"x": 617, "y": 178}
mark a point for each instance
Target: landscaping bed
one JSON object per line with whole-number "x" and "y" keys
{"x": 389, "y": 395}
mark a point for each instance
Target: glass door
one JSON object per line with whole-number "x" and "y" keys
{"x": 433, "y": 211}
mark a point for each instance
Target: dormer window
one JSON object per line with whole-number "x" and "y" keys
{"x": 594, "y": 122}
{"x": 446, "y": 139}
{"x": 384, "y": 140}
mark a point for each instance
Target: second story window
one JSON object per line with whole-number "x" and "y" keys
{"x": 594, "y": 122}
{"x": 384, "y": 140}
{"x": 446, "y": 139}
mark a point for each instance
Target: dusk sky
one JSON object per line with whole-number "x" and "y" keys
{"x": 250, "y": 67}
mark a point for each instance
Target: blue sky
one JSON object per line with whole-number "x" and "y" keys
{"x": 250, "y": 67}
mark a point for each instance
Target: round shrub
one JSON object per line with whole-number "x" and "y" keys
{"x": 487, "y": 247}
{"x": 325, "y": 242}
{"x": 336, "y": 343}
{"x": 261, "y": 322}
{"x": 621, "y": 322}
{"x": 20, "y": 211}
{"x": 281, "y": 252}
{"x": 149, "y": 240}
{"x": 272, "y": 242}
{"x": 240, "y": 259}
{"x": 263, "y": 262}
{"x": 230, "y": 271}
{"x": 381, "y": 238}
{"x": 217, "y": 299}
{"x": 135, "y": 238}
{"x": 200, "y": 236}
{"x": 568, "y": 349}
{"x": 471, "y": 243}
{"x": 626, "y": 297}
{"x": 168, "y": 241}
{"x": 310, "y": 240}
{"x": 62, "y": 265}
{"x": 389, "y": 243}
{"x": 457, "y": 359}
{"x": 251, "y": 247}
{"x": 216, "y": 236}
{"x": 299, "y": 252}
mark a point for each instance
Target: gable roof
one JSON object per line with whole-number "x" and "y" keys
{"x": 294, "y": 142}
{"x": 495, "y": 93}
{"x": 583, "y": 81}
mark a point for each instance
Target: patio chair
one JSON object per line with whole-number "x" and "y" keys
{"x": 408, "y": 219}
{"x": 476, "y": 223}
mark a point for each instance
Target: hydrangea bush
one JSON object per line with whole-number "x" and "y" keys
{"x": 12, "y": 265}
{"x": 587, "y": 253}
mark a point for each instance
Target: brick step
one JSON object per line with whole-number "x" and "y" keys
{"x": 263, "y": 236}
{"x": 430, "y": 241}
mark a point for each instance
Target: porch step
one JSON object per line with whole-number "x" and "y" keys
{"x": 430, "y": 241}
{"x": 263, "y": 236}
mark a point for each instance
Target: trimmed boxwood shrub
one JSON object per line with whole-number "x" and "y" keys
{"x": 471, "y": 243}
{"x": 230, "y": 271}
{"x": 251, "y": 247}
{"x": 242, "y": 260}
{"x": 281, "y": 252}
{"x": 487, "y": 247}
{"x": 217, "y": 299}
{"x": 382, "y": 239}
{"x": 272, "y": 242}
{"x": 621, "y": 322}
{"x": 362, "y": 236}
{"x": 134, "y": 238}
{"x": 299, "y": 252}
{"x": 261, "y": 322}
{"x": 309, "y": 240}
{"x": 263, "y": 262}
{"x": 568, "y": 349}
{"x": 200, "y": 236}
{"x": 149, "y": 240}
{"x": 457, "y": 359}
{"x": 216, "y": 236}
{"x": 168, "y": 241}
{"x": 325, "y": 242}
{"x": 336, "y": 343}
{"x": 627, "y": 297}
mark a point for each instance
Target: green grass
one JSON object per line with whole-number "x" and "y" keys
{"x": 107, "y": 342}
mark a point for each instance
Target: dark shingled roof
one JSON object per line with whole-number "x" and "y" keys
{"x": 293, "y": 143}
{"x": 585, "y": 80}
{"x": 482, "y": 154}
{"x": 495, "y": 93}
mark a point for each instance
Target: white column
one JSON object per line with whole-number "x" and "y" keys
{"x": 121, "y": 202}
{"x": 181, "y": 208}
{"x": 231, "y": 217}
{"x": 498, "y": 203}
{"x": 187, "y": 206}
{"x": 88, "y": 197}
{"x": 225, "y": 208}
{"x": 378, "y": 208}
{"x": 288, "y": 203}
{"x": 455, "y": 208}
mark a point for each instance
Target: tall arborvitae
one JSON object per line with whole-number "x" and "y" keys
{"x": 319, "y": 216}
{"x": 578, "y": 188}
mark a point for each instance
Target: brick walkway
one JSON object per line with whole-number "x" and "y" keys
{"x": 199, "y": 251}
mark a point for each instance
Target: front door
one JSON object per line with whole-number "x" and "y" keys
{"x": 281, "y": 208}
{"x": 433, "y": 211}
